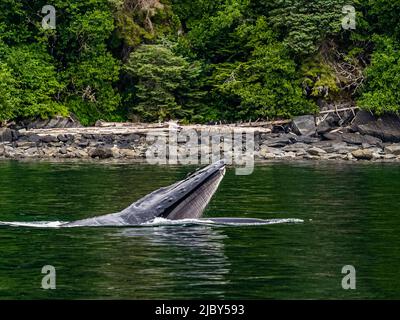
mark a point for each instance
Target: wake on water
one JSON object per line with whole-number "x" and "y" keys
{"x": 165, "y": 222}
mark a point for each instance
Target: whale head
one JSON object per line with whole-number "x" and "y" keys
{"x": 185, "y": 199}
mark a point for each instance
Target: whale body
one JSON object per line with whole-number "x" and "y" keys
{"x": 185, "y": 199}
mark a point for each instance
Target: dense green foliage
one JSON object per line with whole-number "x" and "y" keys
{"x": 163, "y": 83}
{"x": 196, "y": 60}
{"x": 381, "y": 92}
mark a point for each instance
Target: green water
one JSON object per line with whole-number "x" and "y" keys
{"x": 350, "y": 212}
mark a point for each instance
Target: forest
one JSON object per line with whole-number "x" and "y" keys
{"x": 196, "y": 61}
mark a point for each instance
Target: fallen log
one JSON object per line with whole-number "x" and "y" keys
{"x": 339, "y": 110}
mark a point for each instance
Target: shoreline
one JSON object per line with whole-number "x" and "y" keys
{"x": 130, "y": 144}
{"x": 257, "y": 162}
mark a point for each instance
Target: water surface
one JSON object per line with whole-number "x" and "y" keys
{"x": 350, "y": 212}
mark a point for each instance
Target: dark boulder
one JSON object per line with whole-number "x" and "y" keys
{"x": 7, "y": 135}
{"x": 330, "y": 123}
{"x": 33, "y": 138}
{"x": 83, "y": 143}
{"x": 102, "y": 153}
{"x": 353, "y": 138}
{"x": 280, "y": 140}
{"x": 307, "y": 139}
{"x": 55, "y": 122}
{"x": 362, "y": 117}
{"x": 88, "y": 136}
{"x": 62, "y": 138}
{"x": 373, "y": 141}
{"x": 132, "y": 137}
{"x": 324, "y": 127}
{"x": 334, "y": 136}
{"x": 284, "y": 128}
{"x": 48, "y": 139}
{"x": 303, "y": 125}
{"x": 385, "y": 127}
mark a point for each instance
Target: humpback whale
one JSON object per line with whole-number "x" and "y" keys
{"x": 185, "y": 199}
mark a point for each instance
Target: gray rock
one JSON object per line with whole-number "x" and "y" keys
{"x": 81, "y": 154}
{"x": 34, "y": 138}
{"x": 328, "y": 146}
{"x": 329, "y": 149}
{"x": 101, "y": 153}
{"x": 268, "y": 156}
{"x": 63, "y": 123}
{"x": 346, "y": 150}
{"x": 386, "y": 127}
{"x": 324, "y": 127}
{"x": 363, "y": 154}
{"x": 132, "y": 138}
{"x": 307, "y": 139}
{"x": 353, "y": 138}
{"x": 304, "y": 125}
{"x": 389, "y": 156}
{"x": 56, "y": 122}
{"x": 330, "y": 123}
{"x": 15, "y": 135}
{"x": 289, "y": 155}
{"x": 337, "y": 145}
{"x": 301, "y": 153}
{"x": 31, "y": 152}
{"x": 332, "y": 156}
{"x": 6, "y": 135}
{"x": 315, "y": 151}
{"x": 275, "y": 151}
{"x": 115, "y": 152}
{"x": 48, "y": 139}
{"x": 296, "y": 147}
{"x": 83, "y": 144}
{"x": 362, "y": 117}
{"x": 128, "y": 153}
{"x": 63, "y": 137}
{"x": 36, "y": 124}
{"x": 310, "y": 157}
{"x": 25, "y": 144}
{"x": 393, "y": 149}
{"x": 373, "y": 141}
{"x": 2, "y": 150}
{"x": 50, "y": 152}
{"x": 349, "y": 157}
{"x": 333, "y": 136}
{"x": 280, "y": 141}
{"x": 87, "y": 136}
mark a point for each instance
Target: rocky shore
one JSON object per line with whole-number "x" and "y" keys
{"x": 365, "y": 138}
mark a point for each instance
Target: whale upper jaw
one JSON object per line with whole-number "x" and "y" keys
{"x": 185, "y": 199}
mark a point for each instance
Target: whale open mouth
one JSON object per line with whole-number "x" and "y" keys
{"x": 193, "y": 203}
{"x": 185, "y": 199}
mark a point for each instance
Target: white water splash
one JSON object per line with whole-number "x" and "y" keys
{"x": 166, "y": 222}
{"x": 221, "y": 221}
{"x": 38, "y": 224}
